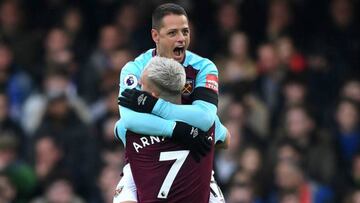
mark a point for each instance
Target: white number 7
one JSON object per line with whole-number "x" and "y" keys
{"x": 179, "y": 157}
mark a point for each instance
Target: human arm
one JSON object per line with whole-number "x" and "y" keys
{"x": 204, "y": 106}
{"x": 141, "y": 123}
{"x": 222, "y": 135}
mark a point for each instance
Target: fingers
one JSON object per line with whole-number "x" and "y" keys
{"x": 204, "y": 147}
{"x": 201, "y": 149}
{"x": 122, "y": 101}
{"x": 127, "y": 93}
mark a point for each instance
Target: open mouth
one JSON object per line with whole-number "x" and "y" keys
{"x": 178, "y": 51}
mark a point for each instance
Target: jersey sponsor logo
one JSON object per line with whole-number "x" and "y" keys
{"x": 212, "y": 82}
{"x": 130, "y": 81}
{"x": 189, "y": 87}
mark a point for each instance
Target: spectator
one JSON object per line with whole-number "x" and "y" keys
{"x": 228, "y": 21}
{"x": 127, "y": 20}
{"x": 81, "y": 157}
{"x": 9, "y": 127}
{"x": 107, "y": 181}
{"x": 353, "y": 197}
{"x": 348, "y": 180}
{"x": 280, "y": 19}
{"x": 74, "y": 25}
{"x": 250, "y": 160}
{"x": 242, "y": 192}
{"x": 58, "y": 53}
{"x": 110, "y": 40}
{"x": 48, "y": 160}
{"x": 55, "y": 83}
{"x": 13, "y": 81}
{"x": 351, "y": 89}
{"x": 23, "y": 42}
{"x": 289, "y": 176}
{"x": 59, "y": 190}
{"x": 301, "y": 127}
{"x": 7, "y": 189}
{"x": 289, "y": 56}
{"x": 270, "y": 77}
{"x": 347, "y": 133}
{"x": 19, "y": 173}
{"x": 238, "y": 66}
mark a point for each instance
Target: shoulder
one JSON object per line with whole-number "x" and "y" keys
{"x": 139, "y": 62}
{"x": 144, "y": 58}
{"x": 198, "y": 62}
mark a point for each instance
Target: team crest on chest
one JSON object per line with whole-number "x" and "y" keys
{"x": 189, "y": 87}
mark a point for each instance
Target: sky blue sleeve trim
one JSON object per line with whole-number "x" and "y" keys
{"x": 208, "y": 68}
{"x": 200, "y": 114}
{"x": 146, "y": 124}
{"x": 120, "y": 131}
{"x": 220, "y": 130}
{"x": 129, "y": 77}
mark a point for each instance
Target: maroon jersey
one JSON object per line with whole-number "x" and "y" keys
{"x": 189, "y": 87}
{"x": 165, "y": 171}
{"x": 187, "y": 92}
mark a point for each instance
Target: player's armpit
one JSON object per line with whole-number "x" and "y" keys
{"x": 226, "y": 143}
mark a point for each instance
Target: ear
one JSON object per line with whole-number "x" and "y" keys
{"x": 155, "y": 35}
{"x": 155, "y": 94}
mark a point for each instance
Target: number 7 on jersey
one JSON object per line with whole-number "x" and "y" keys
{"x": 179, "y": 157}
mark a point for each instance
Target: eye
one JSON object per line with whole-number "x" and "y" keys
{"x": 172, "y": 33}
{"x": 185, "y": 32}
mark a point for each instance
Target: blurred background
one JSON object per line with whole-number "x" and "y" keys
{"x": 289, "y": 95}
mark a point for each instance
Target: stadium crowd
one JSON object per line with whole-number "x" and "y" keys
{"x": 289, "y": 95}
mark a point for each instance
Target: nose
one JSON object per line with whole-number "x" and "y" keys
{"x": 181, "y": 37}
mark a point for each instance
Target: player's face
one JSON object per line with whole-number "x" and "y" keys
{"x": 173, "y": 37}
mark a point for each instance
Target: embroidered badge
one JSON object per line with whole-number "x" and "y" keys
{"x": 130, "y": 81}
{"x": 189, "y": 87}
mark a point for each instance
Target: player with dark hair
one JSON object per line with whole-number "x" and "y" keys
{"x": 145, "y": 114}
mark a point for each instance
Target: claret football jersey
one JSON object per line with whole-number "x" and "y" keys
{"x": 165, "y": 171}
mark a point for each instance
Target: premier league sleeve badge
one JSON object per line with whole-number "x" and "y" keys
{"x": 130, "y": 81}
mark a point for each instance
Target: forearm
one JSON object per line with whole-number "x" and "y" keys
{"x": 146, "y": 124}
{"x": 200, "y": 114}
{"x": 224, "y": 144}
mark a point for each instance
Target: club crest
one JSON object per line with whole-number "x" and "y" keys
{"x": 189, "y": 87}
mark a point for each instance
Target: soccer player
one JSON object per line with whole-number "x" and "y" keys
{"x": 163, "y": 170}
{"x": 154, "y": 116}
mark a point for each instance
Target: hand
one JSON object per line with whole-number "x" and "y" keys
{"x": 195, "y": 139}
{"x": 137, "y": 100}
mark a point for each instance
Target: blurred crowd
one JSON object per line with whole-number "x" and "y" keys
{"x": 289, "y": 95}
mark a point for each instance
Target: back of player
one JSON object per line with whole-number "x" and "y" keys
{"x": 165, "y": 171}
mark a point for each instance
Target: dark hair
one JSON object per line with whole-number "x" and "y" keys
{"x": 163, "y": 10}
{"x": 351, "y": 101}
